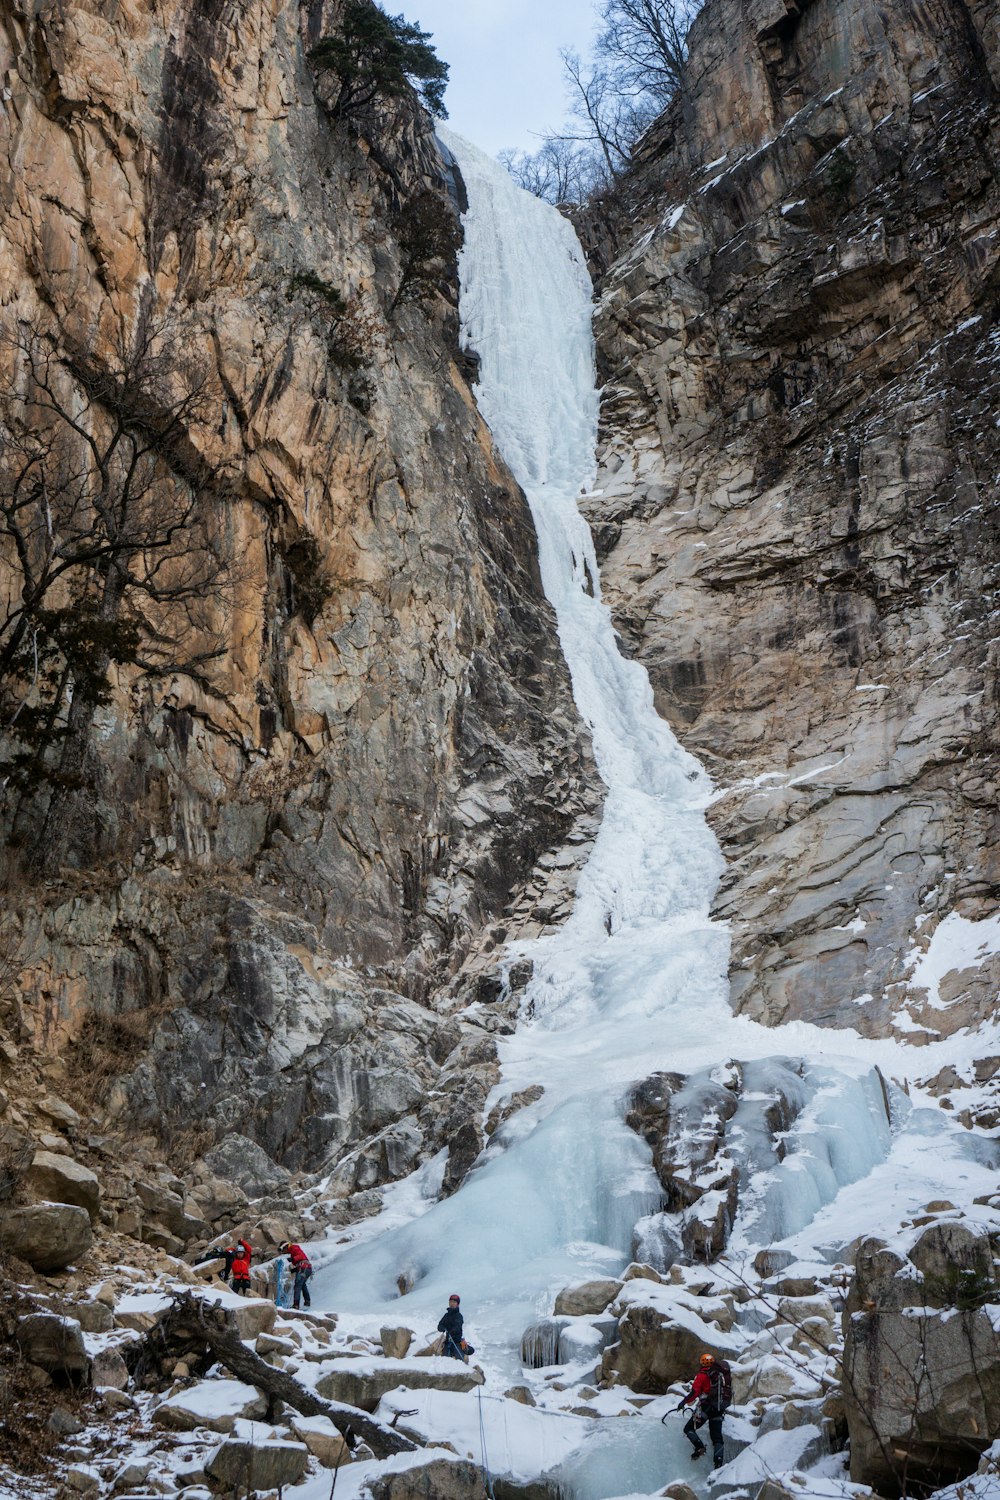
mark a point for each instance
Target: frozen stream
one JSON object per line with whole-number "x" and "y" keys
{"x": 636, "y": 979}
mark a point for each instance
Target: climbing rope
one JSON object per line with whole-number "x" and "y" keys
{"x": 482, "y": 1441}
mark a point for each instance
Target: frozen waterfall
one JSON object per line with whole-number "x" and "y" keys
{"x": 636, "y": 979}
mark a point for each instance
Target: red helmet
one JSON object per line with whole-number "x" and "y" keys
{"x": 454, "y": 1297}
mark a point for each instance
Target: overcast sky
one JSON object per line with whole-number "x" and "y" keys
{"x": 505, "y": 80}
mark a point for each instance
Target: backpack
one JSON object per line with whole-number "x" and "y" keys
{"x": 720, "y": 1379}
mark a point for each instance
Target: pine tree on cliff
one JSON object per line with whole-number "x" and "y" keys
{"x": 380, "y": 56}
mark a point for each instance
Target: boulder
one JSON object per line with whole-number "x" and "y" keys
{"x": 395, "y": 1342}
{"x": 49, "y": 1236}
{"x": 238, "y": 1160}
{"x": 654, "y": 1351}
{"x": 360, "y": 1382}
{"x": 54, "y": 1344}
{"x": 109, "y": 1370}
{"x": 216, "y": 1198}
{"x": 92, "y": 1316}
{"x": 167, "y": 1211}
{"x": 57, "y": 1109}
{"x": 60, "y": 1179}
{"x": 941, "y": 1408}
{"x": 215, "y": 1404}
{"x": 63, "y": 1422}
{"x": 82, "y": 1479}
{"x": 253, "y": 1316}
{"x": 952, "y": 1258}
{"x": 586, "y": 1297}
{"x": 522, "y": 1394}
{"x": 240, "y": 1466}
{"x": 323, "y": 1440}
{"x": 445, "y": 1479}
{"x": 133, "y": 1474}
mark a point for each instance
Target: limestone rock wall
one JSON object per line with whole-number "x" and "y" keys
{"x": 796, "y": 504}
{"x": 322, "y": 823}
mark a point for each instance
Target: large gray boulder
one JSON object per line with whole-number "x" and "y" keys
{"x": 586, "y": 1297}
{"x": 445, "y": 1479}
{"x": 241, "y": 1161}
{"x": 358, "y": 1382}
{"x": 922, "y": 1360}
{"x": 49, "y": 1236}
{"x": 60, "y": 1179}
{"x": 653, "y": 1351}
{"x": 55, "y": 1344}
{"x": 240, "y": 1466}
{"x": 215, "y": 1404}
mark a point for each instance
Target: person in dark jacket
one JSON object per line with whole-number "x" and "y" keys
{"x": 241, "y": 1268}
{"x": 451, "y": 1326}
{"x": 301, "y": 1271}
{"x": 711, "y": 1392}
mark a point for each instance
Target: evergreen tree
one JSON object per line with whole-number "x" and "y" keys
{"x": 380, "y": 56}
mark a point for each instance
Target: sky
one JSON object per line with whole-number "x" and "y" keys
{"x": 506, "y": 78}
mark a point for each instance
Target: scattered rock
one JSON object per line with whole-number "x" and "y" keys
{"x": 638, "y": 1272}
{"x": 109, "y": 1398}
{"x": 215, "y": 1404}
{"x": 55, "y": 1344}
{"x": 342, "y": 1380}
{"x": 253, "y": 1316}
{"x": 63, "y": 1423}
{"x": 586, "y": 1297}
{"x": 134, "y": 1472}
{"x": 323, "y": 1440}
{"x": 109, "y": 1370}
{"x": 240, "y": 1466}
{"x": 60, "y": 1179}
{"x": 395, "y": 1342}
{"x": 82, "y": 1479}
{"x": 93, "y": 1316}
{"x": 443, "y": 1478}
{"x": 522, "y": 1394}
{"x": 60, "y": 1111}
{"x": 49, "y": 1236}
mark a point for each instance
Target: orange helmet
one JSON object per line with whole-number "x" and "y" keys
{"x": 707, "y": 1359}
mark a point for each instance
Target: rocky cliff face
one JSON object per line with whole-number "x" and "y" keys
{"x": 286, "y": 856}
{"x": 796, "y": 505}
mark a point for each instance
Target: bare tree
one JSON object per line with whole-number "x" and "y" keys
{"x": 644, "y": 42}
{"x": 560, "y": 171}
{"x": 638, "y": 66}
{"x": 108, "y": 550}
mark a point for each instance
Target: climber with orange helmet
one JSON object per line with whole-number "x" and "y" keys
{"x": 711, "y": 1392}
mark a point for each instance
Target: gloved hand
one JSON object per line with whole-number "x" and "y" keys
{"x": 681, "y": 1404}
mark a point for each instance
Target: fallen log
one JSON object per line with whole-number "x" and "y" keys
{"x": 204, "y": 1333}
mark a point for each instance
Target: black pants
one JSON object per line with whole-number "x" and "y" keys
{"x": 242, "y": 1285}
{"x": 697, "y": 1419}
{"x": 301, "y": 1289}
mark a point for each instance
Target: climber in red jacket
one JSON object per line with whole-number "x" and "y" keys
{"x": 241, "y": 1268}
{"x": 712, "y": 1391}
{"x": 301, "y": 1271}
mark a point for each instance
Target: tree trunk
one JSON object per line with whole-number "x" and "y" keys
{"x": 202, "y": 1334}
